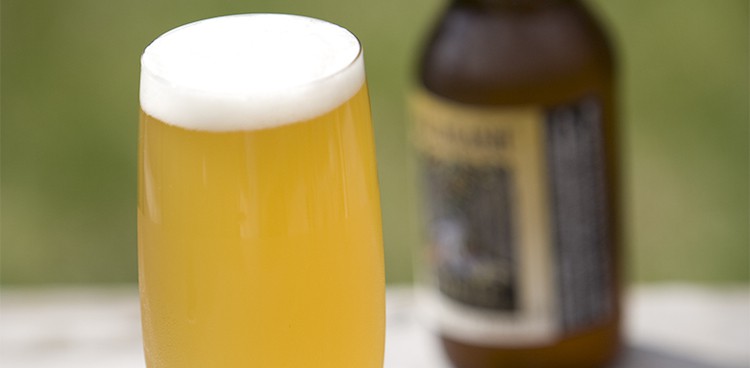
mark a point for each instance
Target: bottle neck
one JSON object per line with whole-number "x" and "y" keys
{"x": 520, "y": 4}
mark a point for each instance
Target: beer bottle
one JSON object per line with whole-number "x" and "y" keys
{"x": 515, "y": 130}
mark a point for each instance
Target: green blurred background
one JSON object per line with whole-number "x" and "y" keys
{"x": 69, "y": 101}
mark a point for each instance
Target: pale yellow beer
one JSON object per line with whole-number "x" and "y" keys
{"x": 259, "y": 239}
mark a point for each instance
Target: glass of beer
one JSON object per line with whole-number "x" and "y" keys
{"x": 259, "y": 229}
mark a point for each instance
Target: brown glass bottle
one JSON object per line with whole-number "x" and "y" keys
{"x": 551, "y": 56}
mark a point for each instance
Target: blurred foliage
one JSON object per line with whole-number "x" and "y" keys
{"x": 685, "y": 119}
{"x": 69, "y": 101}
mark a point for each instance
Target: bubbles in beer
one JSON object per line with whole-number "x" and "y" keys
{"x": 249, "y": 71}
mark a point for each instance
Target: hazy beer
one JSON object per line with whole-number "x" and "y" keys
{"x": 258, "y": 216}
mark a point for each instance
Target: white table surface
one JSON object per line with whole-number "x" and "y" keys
{"x": 667, "y": 326}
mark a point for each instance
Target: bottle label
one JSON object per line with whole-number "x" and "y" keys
{"x": 514, "y": 205}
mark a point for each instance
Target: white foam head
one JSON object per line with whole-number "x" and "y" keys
{"x": 249, "y": 71}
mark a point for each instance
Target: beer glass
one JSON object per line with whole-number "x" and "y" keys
{"x": 259, "y": 229}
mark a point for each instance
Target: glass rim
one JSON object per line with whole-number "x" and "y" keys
{"x": 156, "y": 74}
